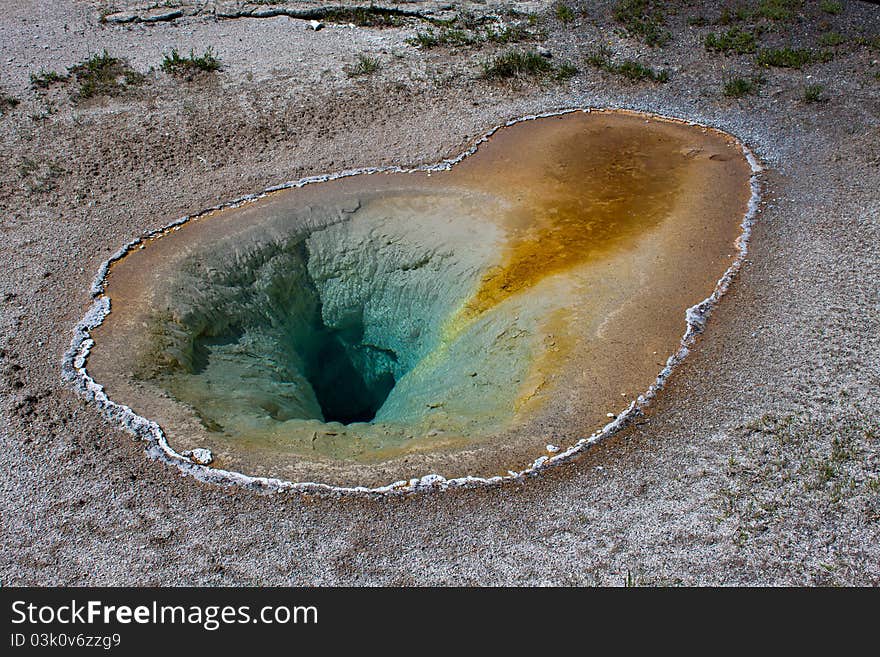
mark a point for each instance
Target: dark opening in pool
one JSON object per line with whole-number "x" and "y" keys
{"x": 345, "y": 393}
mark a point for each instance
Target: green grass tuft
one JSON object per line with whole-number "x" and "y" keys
{"x": 831, "y": 7}
{"x": 778, "y": 10}
{"x": 734, "y": 40}
{"x": 814, "y": 93}
{"x": 566, "y": 70}
{"x": 737, "y": 87}
{"x": 8, "y": 103}
{"x": 509, "y": 34}
{"x": 39, "y": 177}
{"x": 365, "y": 65}
{"x": 831, "y": 39}
{"x": 426, "y": 39}
{"x": 872, "y": 43}
{"x": 631, "y": 70}
{"x": 785, "y": 57}
{"x": 103, "y": 75}
{"x": 635, "y": 71}
{"x": 190, "y": 65}
{"x": 516, "y": 63}
{"x": 465, "y": 30}
{"x": 364, "y": 16}
{"x": 644, "y": 20}
{"x": 445, "y": 37}
{"x": 45, "y": 79}
{"x": 564, "y": 13}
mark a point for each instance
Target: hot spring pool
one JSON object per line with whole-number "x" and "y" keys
{"x": 375, "y": 328}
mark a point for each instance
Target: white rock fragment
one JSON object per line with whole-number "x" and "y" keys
{"x": 200, "y": 456}
{"x": 315, "y": 25}
{"x": 552, "y": 448}
{"x": 430, "y": 480}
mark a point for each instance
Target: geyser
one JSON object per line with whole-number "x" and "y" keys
{"x": 379, "y": 327}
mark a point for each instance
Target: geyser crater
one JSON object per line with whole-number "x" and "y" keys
{"x": 363, "y": 329}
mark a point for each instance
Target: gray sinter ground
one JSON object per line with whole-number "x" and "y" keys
{"x": 759, "y": 463}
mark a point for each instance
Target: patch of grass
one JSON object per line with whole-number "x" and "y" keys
{"x": 566, "y": 70}
{"x": 45, "y": 79}
{"x": 831, "y": 39}
{"x": 635, "y": 71}
{"x": 48, "y": 110}
{"x": 843, "y": 448}
{"x": 445, "y": 37}
{"x": 516, "y": 63}
{"x": 814, "y": 93}
{"x": 737, "y": 87}
{"x": 190, "y": 65}
{"x": 103, "y": 75}
{"x": 734, "y": 40}
{"x": 785, "y": 57}
{"x": 27, "y": 166}
{"x": 509, "y": 34}
{"x": 831, "y": 7}
{"x": 466, "y": 20}
{"x": 457, "y": 33}
{"x": 564, "y": 13}
{"x": 740, "y": 15}
{"x": 426, "y": 39}
{"x": 872, "y": 43}
{"x": 778, "y": 10}
{"x": 7, "y": 103}
{"x": 791, "y": 463}
{"x": 743, "y": 14}
{"x": 601, "y": 57}
{"x": 39, "y": 177}
{"x": 365, "y": 65}
{"x": 826, "y": 472}
{"x": 630, "y": 69}
{"x": 644, "y": 20}
{"x": 364, "y": 16}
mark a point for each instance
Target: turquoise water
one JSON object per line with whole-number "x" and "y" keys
{"x": 348, "y": 320}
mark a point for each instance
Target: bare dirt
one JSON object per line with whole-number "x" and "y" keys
{"x": 758, "y": 464}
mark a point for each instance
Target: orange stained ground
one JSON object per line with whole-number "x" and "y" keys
{"x": 574, "y": 199}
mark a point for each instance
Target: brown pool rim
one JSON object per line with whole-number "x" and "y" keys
{"x": 74, "y": 370}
